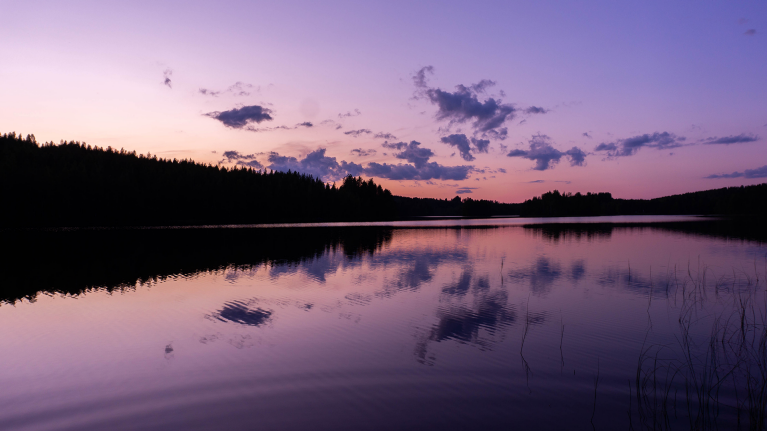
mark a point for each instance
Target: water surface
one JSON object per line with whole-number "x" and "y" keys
{"x": 458, "y": 324}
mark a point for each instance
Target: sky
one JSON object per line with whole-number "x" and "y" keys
{"x": 489, "y": 100}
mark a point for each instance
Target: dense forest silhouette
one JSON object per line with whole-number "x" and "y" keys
{"x": 743, "y": 200}
{"x": 72, "y": 184}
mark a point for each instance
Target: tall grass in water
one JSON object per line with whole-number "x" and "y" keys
{"x": 714, "y": 376}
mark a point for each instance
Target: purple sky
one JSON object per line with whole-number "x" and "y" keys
{"x": 494, "y": 100}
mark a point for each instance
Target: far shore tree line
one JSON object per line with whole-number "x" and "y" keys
{"x": 75, "y": 184}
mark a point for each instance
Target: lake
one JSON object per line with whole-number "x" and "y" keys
{"x": 581, "y": 323}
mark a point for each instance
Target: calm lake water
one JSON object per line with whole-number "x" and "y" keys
{"x": 606, "y": 323}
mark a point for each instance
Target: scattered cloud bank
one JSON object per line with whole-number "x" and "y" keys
{"x": 464, "y": 145}
{"x": 238, "y": 118}
{"x": 357, "y": 133}
{"x": 382, "y": 135}
{"x": 327, "y": 168}
{"x": 236, "y": 89}
{"x": 546, "y": 156}
{"x": 350, "y": 114}
{"x": 362, "y": 152}
{"x": 242, "y": 159}
{"x": 734, "y": 139}
{"x": 411, "y": 152}
{"x": 748, "y": 173}
{"x": 461, "y": 106}
{"x": 630, "y": 146}
{"x": 316, "y": 164}
{"x": 465, "y": 190}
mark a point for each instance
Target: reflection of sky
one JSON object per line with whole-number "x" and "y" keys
{"x": 359, "y": 328}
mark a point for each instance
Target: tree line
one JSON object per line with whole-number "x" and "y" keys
{"x": 743, "y": 200}
{"x": 74, "y": 184}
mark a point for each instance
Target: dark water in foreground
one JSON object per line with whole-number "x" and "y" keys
{"x": 497, "y": 324}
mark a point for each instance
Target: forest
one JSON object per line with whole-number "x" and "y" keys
{"x": 72, "y": 184}
{"x": 743, "y": 200}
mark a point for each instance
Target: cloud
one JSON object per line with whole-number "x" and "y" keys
{"x": 167, "y": 73}
{"x": 327, "y": 168}
{"x": 306, "y": 124}
{"x": 316, "y": 164}
{"x": 748, "y": 173}
{"x": 734, "y": 139}
{"x": 480, "y": 145}
{"x": 356, "y": 133}
{"x": 461, "y": 142}
{"x": 464, "y": 145}
{"x": 363, "y": 153}
{"x": 501, "y": 170}
{"x": 545, "y": 156}
{"x": 238, "y": 118}
{"x": 411, "y": 152}
{"x": 630, "y": 146}
{"x": 331, "y": 123}
{"x": 236, "y": 89}
{"x": 242, "y": 159}
{"x": 535, "y": 110}
{"x": 465, "y": 190}
{"x": 463, "y": 105}
{"x": 750, "y": 32}
{"x": 586, "y": 134}
{"x": 383, "y": 135}
{"x": 350, "y": 114}
{"x": 428, "y": 171}
{"x": 536, "y": 181}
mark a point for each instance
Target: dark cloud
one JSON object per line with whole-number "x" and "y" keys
{"x": 383, "y": 135}
{"x": 748, "y": 173}
{"x": 464, "y": 191}
{"x": 461, "y": 142}
{"x": 586, "y": 134}
{"x": 463, "y": 105}
{"x": 238, "y": 118}
{"x": 356, "y": 133}
{"x": 242, "y": 159}
{"x": 501, "y": 170}
{"x": 464, "y": 145}
{"x": 167, "y": 73}
{"x": 480, "y": 145}
{"x": 316, "y": 164}
{"x": 535, "y": 110}
{"x": 411, "y": 152}
{"x": 236, "y": 89}
{"x": 546, "y": 156}
{"x": 350, "y": 114}
{"x": 536, "y": 181}
{"x": 327, "y": 168}
{"x": 429, "y": 171}
{"x": 362, "y": 152}
{"x": 630, "y": 146}
{"x": 750, "y": 32}
{"x": 734, "y": 139}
